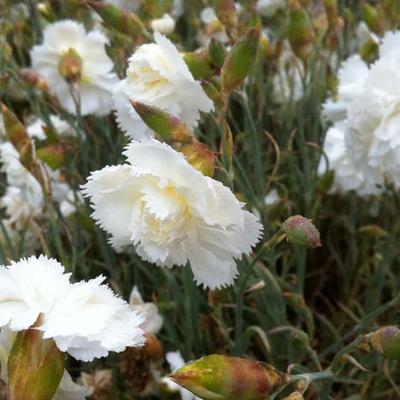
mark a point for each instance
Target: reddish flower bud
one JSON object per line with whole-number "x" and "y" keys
{"x": 35, "y": 367}
{"x": 301, "y": 231}
{"x": 200, "y": 157}
{"x": 386, "y": 341}
{"x": 229, "y": 378}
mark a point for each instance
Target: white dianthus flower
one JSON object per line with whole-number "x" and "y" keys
{"x": 367, "y": 110}
{"x": 352, "y": 75}
{"x": 67, "y": 390}
{"x": 96, "y": 79}
{"x": 85, "y": 319}
{"x": 346, "y": 176}
{"x": 153, "y": 321}
{"x": 269, "y": 7}
{"x": 172, "y": 214}
{"x": 164, "y": 25}
{"x": 158, "y": 76}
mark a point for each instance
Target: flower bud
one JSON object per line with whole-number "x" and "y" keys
{"x": 212, "y": 91}
{"x": 34, "y": 79}
{"x": 301, "y": 232}
{"x": 386, "y": 341}
{"x": 199, "y": 64}
{"x": 216, "y": 51}
{"x": 229, "y": 378}
{"x": 168, "y": 126}
{"x": 52, "y": 155}
{"x": 331, "y": 9}
{"x": 373, "y": 18}
{"x": 70, "y": 66}
{"x": 300, "y": 30}
{"x": 121, "y": 19}
{"x": 35, "y": 367}
{"x": 200, "y": 157}
{"x": 226, "y": 13}
{"x": 239, "y": 60}
{"x": 17, "y": 135}
{"x": 369, "y": 50}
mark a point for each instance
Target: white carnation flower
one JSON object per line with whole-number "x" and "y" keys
{"x": 96, "y": 79}
{"x": 269, "y": 7}
{"x": 85, "y": 319}
{"x": 346, "y": 176}
{"x": 367, "y": 111}
{"x": 36, "y": 128}
{"x": 153, "y": 321}
{"x": 352, "y": 76}
{"x": 164, "y": 25}
{"x": 67, "y": 390}
{"x": 29, "y": 288}
{"x": 158, "y": 76}
{"x": 172, "y": 214}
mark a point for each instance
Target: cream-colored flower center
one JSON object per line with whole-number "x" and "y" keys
{"x": 147, "y": 79}
{"x": 166, "y": 216}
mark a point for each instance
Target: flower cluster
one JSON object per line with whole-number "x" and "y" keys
{"x": 362, "y": 147}
{"x": 85, "y": 319}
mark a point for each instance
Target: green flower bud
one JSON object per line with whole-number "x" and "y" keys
{"x": 17, "y": 135}
{"x": 35, "y": 367}
{"x": 301, "y": 232}
{"x": 52, "y": 155}
{"x": 386, "y": 341}
{"x": 199, "y": 64}
{"x": 239, "y": 60}
{"x": 218, "y": 377}
{"x": 300, "y": 30}
{"x": 121, "y": 19}
{"x": 217, "y": 52}
{"x": 169, "y": 127}
{"x": 373, "y": 18}
{"x": 369, "y": 50}
{"x": 20, "y": 139}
